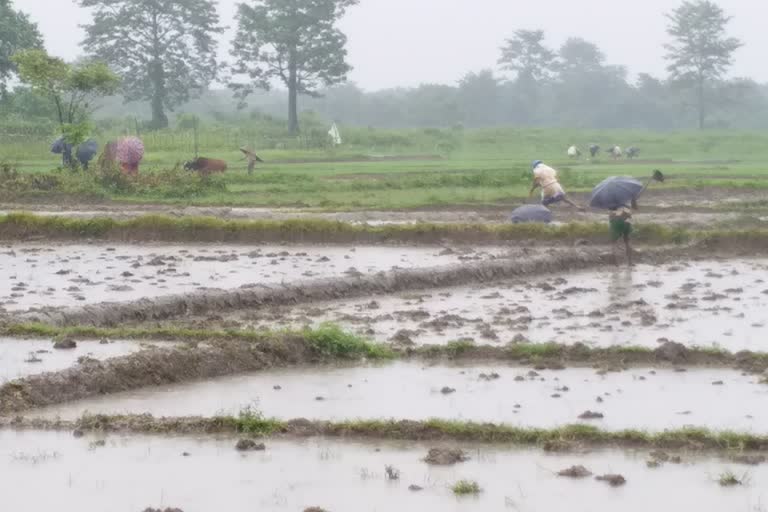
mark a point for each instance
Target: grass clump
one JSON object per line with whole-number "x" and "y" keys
{"x": 330, "y": 340}
{"x": 466, "y": 488}
{"x": 252, "y": 421}
{"x": 729, "y": 479}
{"x": 457, "y": 348}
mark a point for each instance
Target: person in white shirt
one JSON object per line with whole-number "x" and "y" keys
{"x": 545, "y": 177}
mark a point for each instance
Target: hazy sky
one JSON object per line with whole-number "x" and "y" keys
{"x": 407, "y": 42}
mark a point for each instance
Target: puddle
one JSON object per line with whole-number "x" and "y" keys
{"x": 638, "y": 398}
{"x": 21, "y": 358}
{"x": 719, "y": 303}
{"x": 129, "y": 474}
{"x": 67, "y": 275}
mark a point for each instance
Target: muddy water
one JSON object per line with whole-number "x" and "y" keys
{"x": 66, "y": 275}
{"x": 128, "y": 474}
{"x": 20, "y": 358}
{"x": 638, "y": 398}
{"x": 713, "y": 303}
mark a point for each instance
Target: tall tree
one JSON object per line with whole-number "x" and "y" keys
{"x": 164, "y": 50}
{"x": 578, "y": 56}
{"x": 700, "y": 52}
{"x": 72, "y": 89}
{"x": 479, "y": 97}
{"x": 295, "y": 42}
{"x": 527, "y": 56}
{"x": 16, "y": 33}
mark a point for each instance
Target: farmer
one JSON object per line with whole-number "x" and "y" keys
{"x": 251, "y": 157}
{"x": 620, "y": 225}
{"x": 545, "y": 177}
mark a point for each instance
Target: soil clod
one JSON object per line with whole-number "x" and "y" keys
{"x": 612, "y": 480}
{"x": 249, "y": 445}
{"x": 445, "y": 456}
{"x": 65, "y": 344}
{"x": 575, "y": 472}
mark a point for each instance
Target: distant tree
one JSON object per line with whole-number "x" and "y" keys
{"x": 700, "y": 52}
{"x": 164, "y": 50}
{"x": 293, "y": 41}
{"x": 527, "y": 56}
{"x": 578, "y": 56}
{"x": 71, "y": 88}
{"x": 16, "y": 33}
{"x": 479, "y": 96}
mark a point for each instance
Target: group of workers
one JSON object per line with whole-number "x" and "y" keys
{"x": 619, "y": 216}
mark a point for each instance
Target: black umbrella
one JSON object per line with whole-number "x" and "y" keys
{"x": 615, "y": 192}
{"x": 618, "y": 191}
{"x": 86, "y": 151}
{"x": 532, "y": 213}
{"x": 59, "y": 146}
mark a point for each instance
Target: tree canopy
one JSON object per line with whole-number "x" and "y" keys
{"x": 164, "y": 50}
{"x": 700, "y": 51}
{"x": 71, "y": 88}
{"x": 17, "y": 33}
{"x": 295, "y": 42}
{"x": 526, "y": 55}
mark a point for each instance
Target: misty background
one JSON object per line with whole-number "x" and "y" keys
{"x": 434, "y": 63}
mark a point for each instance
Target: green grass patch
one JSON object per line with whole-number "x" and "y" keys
{"x": 331, "y": 341}
{"x": 466, "y": 488}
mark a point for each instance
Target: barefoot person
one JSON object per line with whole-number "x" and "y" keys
{"x": 545, "y": 177}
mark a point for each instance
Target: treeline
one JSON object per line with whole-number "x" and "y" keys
{"x": 534, "y": 85}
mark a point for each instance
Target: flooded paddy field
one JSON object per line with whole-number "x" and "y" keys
{"x": 128, "y": 474}
{"x": 719, "y": 303}
{"x": 651, "y": 399}
{"x": 24, "y": 357}
{"x": 36, "y": 276}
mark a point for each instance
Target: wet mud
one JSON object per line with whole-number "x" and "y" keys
{"x": 315, "y": 290}
{"x": 153, "y": 367}
{"x": 53, "y": 275}
{"x": 712, "y": 303}
{"x": 643, "y": 398}
{"x": 23, "y": 357}
{"x": 128, "y": 473}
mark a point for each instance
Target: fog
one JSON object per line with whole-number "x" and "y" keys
{"x": 407, "y": 42}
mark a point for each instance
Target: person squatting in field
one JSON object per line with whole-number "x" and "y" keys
{"x": 545, "y": 177}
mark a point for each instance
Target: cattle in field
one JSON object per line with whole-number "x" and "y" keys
{"x": 206, "y": 166}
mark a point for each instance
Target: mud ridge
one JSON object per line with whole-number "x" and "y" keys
{"x": 558, "y": 356}
{"x": 312, "y": 290}
{"x": 569, "y": 437}
{"x": 152, "y": 367}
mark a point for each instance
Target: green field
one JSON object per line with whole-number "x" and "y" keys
{"x": 406, "y": 169}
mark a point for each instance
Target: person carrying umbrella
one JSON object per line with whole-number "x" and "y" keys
{"x": 545, "y": 177}
{"x": 619, "y": 196}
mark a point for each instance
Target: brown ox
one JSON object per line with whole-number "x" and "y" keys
{"x": 206, "y": 166}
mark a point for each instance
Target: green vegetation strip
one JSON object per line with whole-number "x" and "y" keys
{"x": 556, "y": 439}
{"x": 327, "y": 340}
{"x": 330, "y": 340}
{"x": 16, "y": 226}
{"x": 20, "y": 226}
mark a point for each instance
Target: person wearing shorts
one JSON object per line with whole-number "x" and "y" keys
{"x": 620, "y": 226}
{"x": 545, "y": 178}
